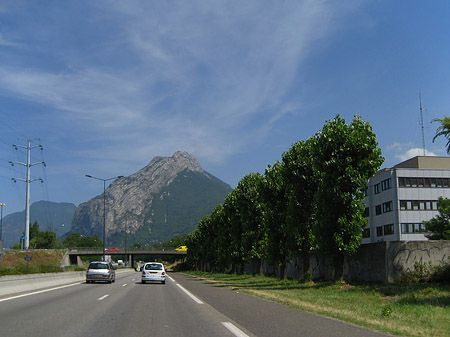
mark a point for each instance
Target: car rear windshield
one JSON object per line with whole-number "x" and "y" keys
{"x": 153, "y": 267}
{"x": 98, "y": 266}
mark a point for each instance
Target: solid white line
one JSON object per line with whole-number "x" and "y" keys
{"x": 234, "y": 330}
{"x": 103, "y": 297}
{"x": 190, "y": 295}
{"x": 39, "y": 292}
{"x": 171, "y": 279}
{"x": 124, "y": 285}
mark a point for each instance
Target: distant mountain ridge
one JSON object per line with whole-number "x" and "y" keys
{"x": 53, "y": 216}
{"x": 167, "y": 197}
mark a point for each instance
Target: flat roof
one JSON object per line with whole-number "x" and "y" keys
{"x": 426, "y": 162}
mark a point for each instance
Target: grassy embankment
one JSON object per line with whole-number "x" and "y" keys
{"x": 413, "y": 309}
{"x": 42, "y": 261}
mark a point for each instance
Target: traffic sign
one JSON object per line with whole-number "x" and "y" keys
{"x": 27, "y": 258}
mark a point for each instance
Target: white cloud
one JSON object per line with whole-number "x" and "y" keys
{"x": 413, "y": 153}
{"x": 192, "y": 75}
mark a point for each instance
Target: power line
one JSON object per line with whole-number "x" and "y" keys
{"x": 13, "y": 129}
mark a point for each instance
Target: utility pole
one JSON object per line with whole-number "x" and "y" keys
{"x": 1, "y": 221}
{"x": 28, "y": 180}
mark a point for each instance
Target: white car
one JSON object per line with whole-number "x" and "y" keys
{"x": 153, "y": 271}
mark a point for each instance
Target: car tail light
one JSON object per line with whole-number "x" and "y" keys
{"x": 162, "y": 273}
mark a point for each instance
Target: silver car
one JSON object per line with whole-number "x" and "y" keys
{"x": 153, "y": 271}
{"x": 100, "y": 272}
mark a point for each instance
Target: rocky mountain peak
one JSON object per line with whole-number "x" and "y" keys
{"x": 129, "y": 200}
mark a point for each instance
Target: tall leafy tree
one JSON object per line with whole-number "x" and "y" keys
{"x": 443, "y": 130}
{"x": 235, "y": 230}
{"x": 344, "y": 158}
{"x": 250, "y": 209}
{"x": 276, "y": 201}
{"x": 34, "y": 230}
{"x": 45, "y": 240}
{"x": 439, "y": 226}
{"x": 299, "y": 175}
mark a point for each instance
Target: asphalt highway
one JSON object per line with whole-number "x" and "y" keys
{"x": 184, "y": 306}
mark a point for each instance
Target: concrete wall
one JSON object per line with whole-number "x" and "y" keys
{"x": 375, "y": 262}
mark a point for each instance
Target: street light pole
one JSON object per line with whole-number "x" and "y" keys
{"x": 1, "y": 221}
{"x": 104, "y": 207}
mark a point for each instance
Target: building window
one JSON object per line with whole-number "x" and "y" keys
{"x": 416, "y": 182}
{"x": 366, "y": 212}
{"x": 366, "y": 233}
{"x": 413, "y": 228}
{"x": 387, "y": 207}
{"x": 386, "y": 184}
{"x": 417, "y": 205}
{"x": 389, "y": 229}
{"x": 378, "y": 209}
{"x": 380, "y": 231}
{"x": 376, "y": 188}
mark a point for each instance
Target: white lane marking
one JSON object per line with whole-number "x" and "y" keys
{"x": 133, "y": 279}
{"x": 171, "y": 279}
{"x": 39, "y": 292}
{"x": 103, "y": 297}
{"x": 234, "y": 330}
{"x": 124, "y": 285}
{"x": 190, "y": 295}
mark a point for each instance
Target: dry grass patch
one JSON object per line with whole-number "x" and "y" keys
{"x": 38, "y": 257}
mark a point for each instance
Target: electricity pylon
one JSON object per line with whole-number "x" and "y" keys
{"x": 27, "y": 181}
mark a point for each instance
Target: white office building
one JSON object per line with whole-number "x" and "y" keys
{"x": 399, "y": 199}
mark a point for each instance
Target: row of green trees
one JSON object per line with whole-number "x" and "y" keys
{"x": 311, "y": 199}
{"x": 48, "y": 240}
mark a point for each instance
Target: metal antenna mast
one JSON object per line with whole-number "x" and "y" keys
{"x": 27, "y": 181}
{"x": 421, "y": 124}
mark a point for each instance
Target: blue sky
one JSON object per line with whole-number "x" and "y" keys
{"x": 108, "y": 85}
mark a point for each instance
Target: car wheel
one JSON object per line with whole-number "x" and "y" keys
{"x": 163, "y": 282}
{"x": 88, "y": 281}
{"x": 143, "y": 282}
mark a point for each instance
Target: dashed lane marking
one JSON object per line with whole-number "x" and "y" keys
{"x": 234, "y": 330}
{"x": 103, "y": 297}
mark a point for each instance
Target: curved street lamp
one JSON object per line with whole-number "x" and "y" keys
{"x": 104, "y": 206}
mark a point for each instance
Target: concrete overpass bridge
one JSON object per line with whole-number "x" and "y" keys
{"x": 129, "y": 255}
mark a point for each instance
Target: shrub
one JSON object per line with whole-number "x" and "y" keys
{"x": 427, "y": 272}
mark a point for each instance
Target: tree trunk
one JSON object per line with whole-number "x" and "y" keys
{"x": 283, "y": 272}
{"x": 306, "y": 274}
{"x": 339, "y": 267}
